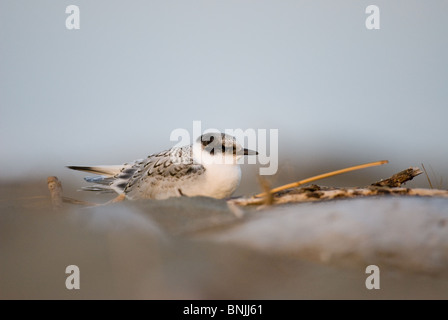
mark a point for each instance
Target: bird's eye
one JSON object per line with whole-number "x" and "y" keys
{"x": 206, "y": 142}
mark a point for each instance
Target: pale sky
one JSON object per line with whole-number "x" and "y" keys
{"x": 114, "y": 90}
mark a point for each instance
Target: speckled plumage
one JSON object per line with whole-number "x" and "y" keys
{"x": 181, "y": 171}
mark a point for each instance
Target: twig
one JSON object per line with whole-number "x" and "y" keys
{"x": 322, "y": 176}
{"x": 399, "y": 178}
{"x": 55, "y": 187}
{"x": 81, "y": 202}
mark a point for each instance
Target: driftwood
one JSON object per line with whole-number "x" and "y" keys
{"x": 399, "y": 178}
{"x": 390, "y": 186}
{"x": 55, "y": 187}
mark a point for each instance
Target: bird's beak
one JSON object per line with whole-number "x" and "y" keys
{"x": 248, "y": 152}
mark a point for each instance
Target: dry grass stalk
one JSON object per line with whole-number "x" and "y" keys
{"x": 427, "y": 177}
{"x": 322, "y": 176}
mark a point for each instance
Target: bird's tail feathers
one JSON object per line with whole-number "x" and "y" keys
{"x": 102, "y": 181}
{"x": 98, "y": 188}
{"x": 110, "y": 178}
{"x": 108, "y": 171}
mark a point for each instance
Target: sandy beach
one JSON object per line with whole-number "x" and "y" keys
{"x": 196, "y": 248}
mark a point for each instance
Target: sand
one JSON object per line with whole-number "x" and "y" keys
{"x": 196, "y": 248}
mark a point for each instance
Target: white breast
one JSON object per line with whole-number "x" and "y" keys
{"x": 219, "y": 181}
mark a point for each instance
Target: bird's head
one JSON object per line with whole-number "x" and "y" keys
{"x": 216, "y": 147}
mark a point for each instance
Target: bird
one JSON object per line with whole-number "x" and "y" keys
{"x": 208, "y": 168}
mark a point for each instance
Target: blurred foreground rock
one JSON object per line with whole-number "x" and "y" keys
{"x": 197, "y": 248}
{"x": 406, "y": 233}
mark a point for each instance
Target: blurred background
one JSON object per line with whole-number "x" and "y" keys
{"x": 113, "y": 91}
